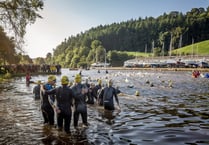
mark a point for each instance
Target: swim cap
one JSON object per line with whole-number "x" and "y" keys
{"x": 51, "y": 78}
{"x": 64, "y": 80}
{"x": 78, "y": 78}
{"x": 137, "y": 93}
{"x": 99, "y": 81}
{"x": 39, "y": 82}
{"x": 110, "y": 82}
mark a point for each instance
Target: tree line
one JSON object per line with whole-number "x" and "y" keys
{"x": 159, "y": 35}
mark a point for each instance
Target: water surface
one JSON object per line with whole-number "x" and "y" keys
{"x": 173, "y": 108}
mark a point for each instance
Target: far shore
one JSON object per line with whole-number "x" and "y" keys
{"x": 153, "y": 69}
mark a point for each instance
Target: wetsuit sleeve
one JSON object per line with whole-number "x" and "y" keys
{"x": 116, "y": 96}
{"x": 101, "y": 93}
{"x": 51, "y": 92}
{"x": 72, "y": 94}
{"x": 34, "y": 90}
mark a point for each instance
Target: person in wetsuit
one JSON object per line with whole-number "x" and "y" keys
{"x": 91, "y": 94}
{"x": 97, "y": 90}
{"x": 64, "y": 97}
{"x": 47, "y": 101}
{"x": 80, "y": 92}
{"x": 36, "y": 90}
{"x": 107, "y": 94}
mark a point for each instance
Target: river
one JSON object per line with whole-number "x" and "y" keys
{"x": 172, "y": 109}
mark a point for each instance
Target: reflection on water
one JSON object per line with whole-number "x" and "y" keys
{"x": 172, "y": 108}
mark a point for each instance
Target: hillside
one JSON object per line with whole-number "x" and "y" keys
{"x": 200, "y": 48}
{"x": 140, "y": 35}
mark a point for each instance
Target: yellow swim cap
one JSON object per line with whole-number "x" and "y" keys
{"x": 64, "y": 80}
{"x": 51, "y": 78}
{"x": 99, "y": 81}
{"x": 78, "y": 78}
{"x": 137, "y": 93}
{"x": 39, "y": 82}
{"x": 110, "y": 82}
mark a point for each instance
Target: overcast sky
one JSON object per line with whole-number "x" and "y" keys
{"x": 64, "y": 18}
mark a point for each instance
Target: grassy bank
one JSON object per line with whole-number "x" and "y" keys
{"x": 201, "y": 48}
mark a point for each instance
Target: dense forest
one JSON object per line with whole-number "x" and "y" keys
{"x": 161, "y": 34}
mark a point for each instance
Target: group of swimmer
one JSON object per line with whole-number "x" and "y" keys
{"x": 71, "y": 99}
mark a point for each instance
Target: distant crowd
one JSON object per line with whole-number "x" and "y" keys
{"x": 24, "y": 68}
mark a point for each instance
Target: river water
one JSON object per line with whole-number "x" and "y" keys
{"x": 172, "y": 109}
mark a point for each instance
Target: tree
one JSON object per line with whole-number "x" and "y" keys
{"x": 156, "y": 51}
{"x": 75, "y": 61}
{"x": 7, "y": 48}
{"x": 25, "y": 59}
{"x": 39, "y": 60}
{"x": 49, "y": 58}
{"x": 100, "y": 54}
{"x": 15, "y": 15}
{"x": 97, "y": 47}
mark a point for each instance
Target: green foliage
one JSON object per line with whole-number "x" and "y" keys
{"x": 137, "y": 54}
{"x": 15, "y": 15}
{"x": 157, "y": 52}
{"x": 49, "y": 59}
{"x": 7, "y": 76}
{"x": 75, "y": 61}
{"x": 25, "y": 59}
{"x": 7, "y": 48}
{"x": 117, "y": 58}
{"x": 174, "y": 29}
{"x": 39, "y": 60}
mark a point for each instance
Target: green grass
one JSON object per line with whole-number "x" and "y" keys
{"x": 138, "y": 54}
{"x": 200, "y": 48}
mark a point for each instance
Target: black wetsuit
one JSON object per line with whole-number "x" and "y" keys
{"x": 47, "y": 109}
{"x": 36, "y": 92}
{"x": 64, "y": 96}
{"x": 92, "y": 94}
{"x": 108, "y": 93}
{"x": 79, "y": 101}
{"x": 97, "y": 91}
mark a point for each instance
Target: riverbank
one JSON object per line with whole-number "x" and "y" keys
{"x": 35, "y": 73}
{"x": 155, "y": 69}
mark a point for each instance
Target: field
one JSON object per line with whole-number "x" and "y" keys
{"x": 201, "y": 48}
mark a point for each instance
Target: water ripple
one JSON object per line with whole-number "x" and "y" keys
{"x": 162, "y": 114}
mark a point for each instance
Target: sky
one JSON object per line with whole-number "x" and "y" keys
{"x": 64, "y": 18}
